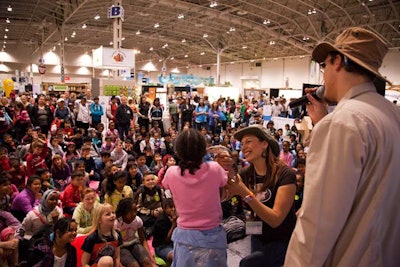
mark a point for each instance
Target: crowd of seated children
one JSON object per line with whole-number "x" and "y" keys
{"x": 128, "y": 166}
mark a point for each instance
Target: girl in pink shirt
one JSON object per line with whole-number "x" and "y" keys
{"x": 195, "y": 186}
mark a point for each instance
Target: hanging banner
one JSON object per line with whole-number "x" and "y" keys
{"x": 110, "y": 58}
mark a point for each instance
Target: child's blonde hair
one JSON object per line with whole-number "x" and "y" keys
{"x": 97, "y": 214}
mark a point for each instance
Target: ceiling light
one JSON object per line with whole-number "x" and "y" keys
{"x": 6, "y": 29}
{"x": 157, "y": 25}
{"x": 84, "y": 26}
{"x": 138, "y": 32}
{"x": 8, "y": 20}
{"x": 5, "y": 36}
{"x": 151, "y": 48}
{"x": 54, "y": 48}
{"x": 232, "y": 29}
{"x": 314, "y": 11}
{"x": 172, "y": 58}
{"x": 309, "y": 12}
{"x": 4, "y": 46}
{"x": 244, "y": 47}
{"x": 9, "y": 8}
{"x": 232, "y": 62}
{"x": 4, "y": 42}
{"x": 202, "y": 53}
{"x": 271, "y": 42}
{"x": 97, "y": 17}
{"x": 213, "y": 4}
{"x": 111, "y": 43}
{"x": 186, "y": 56}
{"x": 123, "y": 38}
{"x": 205, "y": 35}
{"x": 183, "y": 40}
{"x": 160, "y": 60}
{"x": 66, "y": 39}
{"x": 181, "y": 16}
{"x": 305, "y": 38}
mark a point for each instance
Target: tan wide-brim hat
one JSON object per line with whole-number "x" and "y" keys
{"x": 365, "y": 48}
{"x": 260, "y": 132}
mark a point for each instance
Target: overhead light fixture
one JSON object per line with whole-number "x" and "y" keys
{"x": 4, "y": 42}
{"x": 266, "y": 21}
{"x": 7, "y": 30}
{"x": 160, "y": 60}
{"x": 84, "y": 26}
{"x": 123, "y": 38}
{"x": 181, "y": 16}
{"x": 111, "y": 43}
{"x": 183, "y": 40}
{"x": 309, "y": 12}
{"x": 9, "y": 8}
{"x": 66, "y": 39}
{"x": 5, "y": 36}
{"x": 4, "y": 46}
{"x": 202, "y": 53}
{"x": 54, "y": 48}
{"x": 165, "y": 46}
{"x": 205, "y": 35}
{"x": 138, "y": 33}
{"x": 244, "y": 47}
{"x": 305, "y": 38}
{"x": 172, "y": 58}
{"x": 271, "y": 42}
{"x": 314, "y": 11}
{"x": 213, "y": 4}
{"x": 8, "y": 20}
{"x": 186, "y": 56}
{"x": 232, "y": 29}
{"x": 97, "y": 17}
{"x": 157, "y": 25}
{"x": 151, "y": 48}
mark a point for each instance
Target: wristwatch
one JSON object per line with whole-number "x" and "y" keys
{"x": 249, "y": 197}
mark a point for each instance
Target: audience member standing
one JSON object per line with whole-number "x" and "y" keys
{"x": 124, "y": 116}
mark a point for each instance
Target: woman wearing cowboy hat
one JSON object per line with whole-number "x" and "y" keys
{"x": 268, "y": 186}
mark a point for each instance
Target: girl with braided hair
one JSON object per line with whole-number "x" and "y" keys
{"x": 199, "y": 239}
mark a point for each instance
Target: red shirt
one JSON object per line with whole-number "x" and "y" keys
{"x": 72, "y": 196}
{"x": 34, "y": 162}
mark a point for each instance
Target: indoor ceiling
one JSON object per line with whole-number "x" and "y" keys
{"x": 190, "y": 32}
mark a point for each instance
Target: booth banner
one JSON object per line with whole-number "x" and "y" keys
{"x": 110, "y": 58}
{"x": 183, "y": 80}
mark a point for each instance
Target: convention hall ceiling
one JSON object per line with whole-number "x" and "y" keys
{"x": 189, "y": 32}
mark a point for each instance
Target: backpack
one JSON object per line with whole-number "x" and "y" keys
{"x": 234, "y": 227}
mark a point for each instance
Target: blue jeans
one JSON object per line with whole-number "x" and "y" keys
{"x": 271, "y": 254}
{"x": 200, "y": 247}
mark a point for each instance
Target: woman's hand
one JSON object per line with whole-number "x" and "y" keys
{"x": 236, "y": 186}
